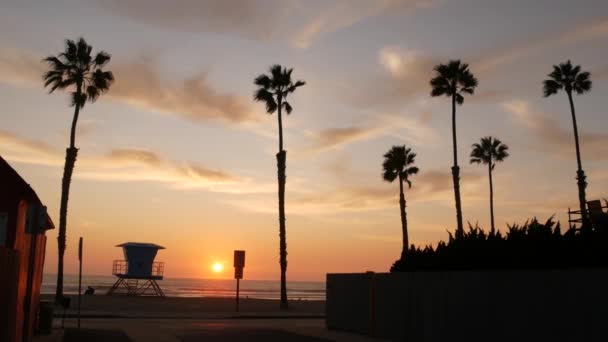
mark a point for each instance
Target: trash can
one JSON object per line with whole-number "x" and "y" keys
{"x": 45, "y": 318}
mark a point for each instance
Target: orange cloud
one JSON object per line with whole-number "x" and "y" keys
{"x": 131, "y": 165}
{"x": 299, "y": 21}
{"x": 345, "y": 13}
{"x": 17, "y": 148}
{"x": 552, "y": 136}
{"x": 134, "y": 155}
{"x": 409, "y": 130}
{"x": 583, "y": 32}
{"x": 432, "y": 185}
{"x": 21, "y": 67}
{"x": 249, "y": 18}
{"x": 139, "y": 84}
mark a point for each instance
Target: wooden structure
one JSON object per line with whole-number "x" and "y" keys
{"x": 138, "y": 273}
{"x": 597, "y": 213}
{"x": 23, "y": 223}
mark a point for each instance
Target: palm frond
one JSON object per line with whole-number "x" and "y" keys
{"x": 550, "y": 87}
{"x": 488, "y": 150}
{"x": 70, "y": 53}
{"x": 582, "y": 83}
{"x": 439, "y": 87}
{"x": 55, "y": 63}
{"x": 275, "y": 87}
{"x": 102, "y": 58}
{"x": 398, "y": 163}
{"x": 453, "y": 79}
{"x": 293, "y": 87}
{"x": 102, "y": 80}
{"x": 409, "y": 183}
{"x": 275, "y": 73}
{"x": 286, "y": 77}
{"x": 468, "y": 90}
{"x": 73, "y": 68}
{"x": 263, "y": 95}
{"x": 84, "y": 51}
{"x": 568, "y": 77}
{"x": 287, "y": 107}
{"x": 53, "y": 77}
{"x": 92, "y": 93}
{"x": 412, "y": 170}
{"x": 468, "y": 82}
{"x": 389, "y": 175}
{"x": 263, "y": 81}
{"x": 78, "y": 99}
{"x": 556, "y": 74}
{"x": 459, "y": 99}
{"x": 566, "y": 68}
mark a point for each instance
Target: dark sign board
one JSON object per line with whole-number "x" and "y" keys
{"x": 239, "y": 259}
{"x": 239, "y": 264}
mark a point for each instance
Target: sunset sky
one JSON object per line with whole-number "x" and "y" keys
{"x": 178, "y": 154}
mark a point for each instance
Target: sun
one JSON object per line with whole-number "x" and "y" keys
{"x": 217, "y": 267}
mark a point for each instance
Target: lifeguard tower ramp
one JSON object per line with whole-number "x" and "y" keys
{"x": 138, "y": 273}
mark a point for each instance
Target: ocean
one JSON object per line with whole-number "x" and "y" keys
{"x": 181, "y": 287}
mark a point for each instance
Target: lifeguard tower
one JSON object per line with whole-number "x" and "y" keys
{"x": 138, "y": 273}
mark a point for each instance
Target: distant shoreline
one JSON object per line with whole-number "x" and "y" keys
{"x": 54, "y": 276}
{"x": 197, "y": 288}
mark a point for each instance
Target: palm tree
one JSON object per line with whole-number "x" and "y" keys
{"x": 454, "y": 80}
{"x": 273, "y": 90}
{"x": 398, "y": 164}
{"x": 570, "y": 78}
{"x": 74, "y": 69}
{"x": 489, "y": 151}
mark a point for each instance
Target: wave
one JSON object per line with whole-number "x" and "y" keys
{"x": 181, "y": 287}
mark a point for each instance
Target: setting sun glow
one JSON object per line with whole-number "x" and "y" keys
{"x": 217, "y": 267}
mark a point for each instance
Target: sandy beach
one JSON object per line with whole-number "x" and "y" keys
{"x": 102, "y": 306}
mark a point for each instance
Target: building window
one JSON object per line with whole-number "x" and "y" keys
{"x": 3, "y": 228}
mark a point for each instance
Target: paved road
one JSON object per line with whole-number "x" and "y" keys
{"x": 192, "y": 330}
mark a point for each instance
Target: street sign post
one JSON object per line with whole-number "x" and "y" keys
{"x": 79, "y": 277}
{"x": 239, "y": 264}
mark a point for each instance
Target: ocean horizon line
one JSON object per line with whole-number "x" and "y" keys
{"x": 54, "y": 275}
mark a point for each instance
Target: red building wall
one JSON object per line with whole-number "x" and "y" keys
{"x": 15, "y": 197}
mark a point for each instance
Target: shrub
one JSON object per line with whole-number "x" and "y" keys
{"x": 532, "y": 245}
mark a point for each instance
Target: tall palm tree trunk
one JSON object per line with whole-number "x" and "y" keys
{"x": 456, "y": 170}
{"x": 282, "y": 165}
{"x": 70, "y": 160}
{"x": 403, "y": 220}
{"x": 580, "y": 174}
{"x": 492, "y": 229}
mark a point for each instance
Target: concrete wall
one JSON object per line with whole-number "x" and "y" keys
{"x": 518, "y": 305}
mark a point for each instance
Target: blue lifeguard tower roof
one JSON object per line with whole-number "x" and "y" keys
{"x": 140, "y": 244}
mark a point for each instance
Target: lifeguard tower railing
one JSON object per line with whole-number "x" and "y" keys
{"x": 120, "y": 268}
{"x": 595, "y": 211}
{"x": 137, "y": 284}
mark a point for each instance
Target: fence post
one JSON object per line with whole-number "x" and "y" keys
{"x": 372, "y": 303}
